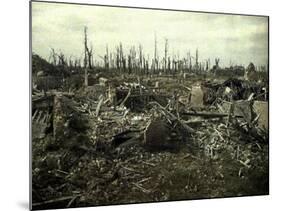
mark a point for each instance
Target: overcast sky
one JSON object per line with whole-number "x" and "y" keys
{"x": 239, "y": 39}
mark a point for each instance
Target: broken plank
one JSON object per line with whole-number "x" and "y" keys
{"x": 99, "y": 105}
{"x": 126, "y": 98}
{"x": 65, "y": 198}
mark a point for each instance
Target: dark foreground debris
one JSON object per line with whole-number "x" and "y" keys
{"x": 134, "y": 142}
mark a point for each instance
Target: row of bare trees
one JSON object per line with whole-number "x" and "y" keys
{"x": 134, "y": 62}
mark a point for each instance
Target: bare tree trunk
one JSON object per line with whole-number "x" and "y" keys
{"x": 155, "y": 54}
{"x": 166, "y": 53}
{"x": 88, "y": 57}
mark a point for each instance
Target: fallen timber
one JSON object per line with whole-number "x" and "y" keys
{"x": 46, "y": 99}
{"x": 172, "y": 117}
{"x": 207, "y": 114}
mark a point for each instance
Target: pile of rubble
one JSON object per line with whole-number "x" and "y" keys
{"x": 132, "y": 142}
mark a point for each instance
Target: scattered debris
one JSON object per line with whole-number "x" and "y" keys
{"x": 140, "y": 139}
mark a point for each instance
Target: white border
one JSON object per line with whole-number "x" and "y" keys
{"x": 14, "y": 110}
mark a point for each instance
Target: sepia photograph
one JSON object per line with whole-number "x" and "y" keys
{"x": 138, "y": 105}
